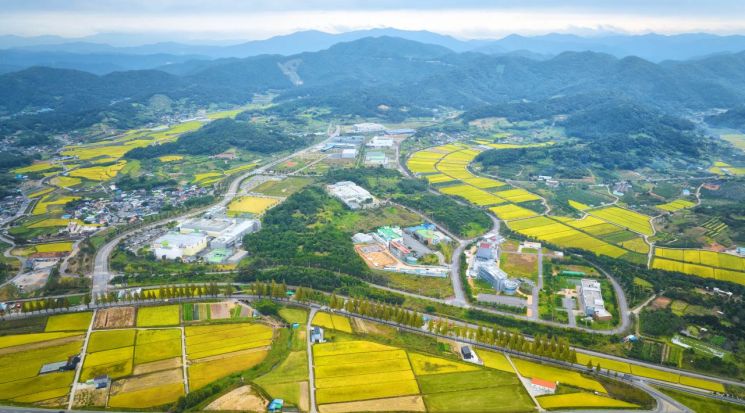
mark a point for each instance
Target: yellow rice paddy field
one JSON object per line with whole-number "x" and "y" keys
{"x": 65, "y": 181}
{"x": 48, "y": 203}
{"x": 354, "y": 371}
{"x": 99, "y": 173}
{"x": 215, "y": 351}
{"x": 36, "y": 167}
{"x": 706, "y": 264}
{"x": 562, "y": 235}
{"x": 332, "y": 321}
{"x": 676, "y": 205}
{"x": 508, "y": 212}
{"x": 251, "y": 205}
{"x": 206, "y": 341}
{"x": 572, "y": 378}
{"x": 625, "y": 218}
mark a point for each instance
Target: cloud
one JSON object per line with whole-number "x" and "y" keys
{"x": 254, "y": 19}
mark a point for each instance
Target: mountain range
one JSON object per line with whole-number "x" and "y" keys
{"x": 383, "y": 76}
{"x": 95, "y": 55}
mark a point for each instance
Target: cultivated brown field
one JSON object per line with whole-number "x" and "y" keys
{"x": 119, "y": 317}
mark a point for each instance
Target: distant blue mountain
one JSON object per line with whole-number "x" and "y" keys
{"x": 652, "y": 47}
{"x": 92, "y": 55}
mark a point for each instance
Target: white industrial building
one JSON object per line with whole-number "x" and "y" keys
{"x": 591, "y": 299}
{"x": 490, "y": 272}
{"x": 352, "y": 195}
{"x": 348, "y": 153}
{"x": 233, "y": 235}
{"x": 211, "y": 227}
{"x": 175, "y": 245}
{"x": 379, "y": 142}
{"x": 367, "y": 127}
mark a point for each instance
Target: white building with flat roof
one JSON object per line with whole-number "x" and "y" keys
{"x": 591, "y": 299}
{"x": 352, "y": 195}
{"x": 211, "y": 227}
{"x": 379, "y": 142}
{"x": 232, "y": 236}
{"x": 174, "y": 245}
{"x": 367, "y": 127}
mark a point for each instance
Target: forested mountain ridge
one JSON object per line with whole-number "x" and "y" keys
{"x": 360, "y": 77}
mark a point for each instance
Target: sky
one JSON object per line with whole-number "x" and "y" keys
{"x": 258, "y": 19}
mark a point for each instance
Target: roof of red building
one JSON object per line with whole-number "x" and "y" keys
{"x": 543, "y": 383}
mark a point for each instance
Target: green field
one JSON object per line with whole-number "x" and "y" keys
{"x": 294, "y": 315}
{"x": 509, "y": 399}
{"x": 285, "y": 187}
{"x": 286, "y": 379}
{"x": 158, "y": 316}
{"x": 438, "y": 383}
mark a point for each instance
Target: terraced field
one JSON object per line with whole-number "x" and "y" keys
{"x": 560, "y": 234}
{"x": 706, "y": 264}
{"x": 676, "y": 205}
{"x": 99, "y": 173}
{"x": 624, "y": 218}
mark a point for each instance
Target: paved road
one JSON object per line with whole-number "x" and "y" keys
{"x": 568, "y": 303}
{"x": 79, "y": 367}
{"x": 537, "y": 289}
{"x": 311, "y": 373}
{"x": 183, "y": 359}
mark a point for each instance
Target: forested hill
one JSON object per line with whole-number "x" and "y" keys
{"x": 611, "y": 132}
{"x": 221, "y": 135}
{"x": 385, "y": 76}
{"x": 733, "y": 118}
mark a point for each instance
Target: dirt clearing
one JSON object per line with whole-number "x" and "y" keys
{"x": 166, "y": 364}
{"x": 393, "y": 404}
{"x": 242, "y": 399}
{"x": 304, "y": 396}
{"x": 220, "y": 311}
{"x": 148, "y": 380}
{"x": 118, "y": 317}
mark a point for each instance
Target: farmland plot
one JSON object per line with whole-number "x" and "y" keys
{"x": 625, "y": 218}
{"x": 361, "y": 377}
{"x": 216, "y": 351}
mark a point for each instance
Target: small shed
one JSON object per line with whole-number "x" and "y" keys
{"x": 316, "y": 335}
{"x": 275, "y": 405}
{"x": 102, "y": 382}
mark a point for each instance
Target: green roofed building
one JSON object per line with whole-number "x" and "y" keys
{"x": 217, "y": 256}
{"x": 390, "y": 233}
